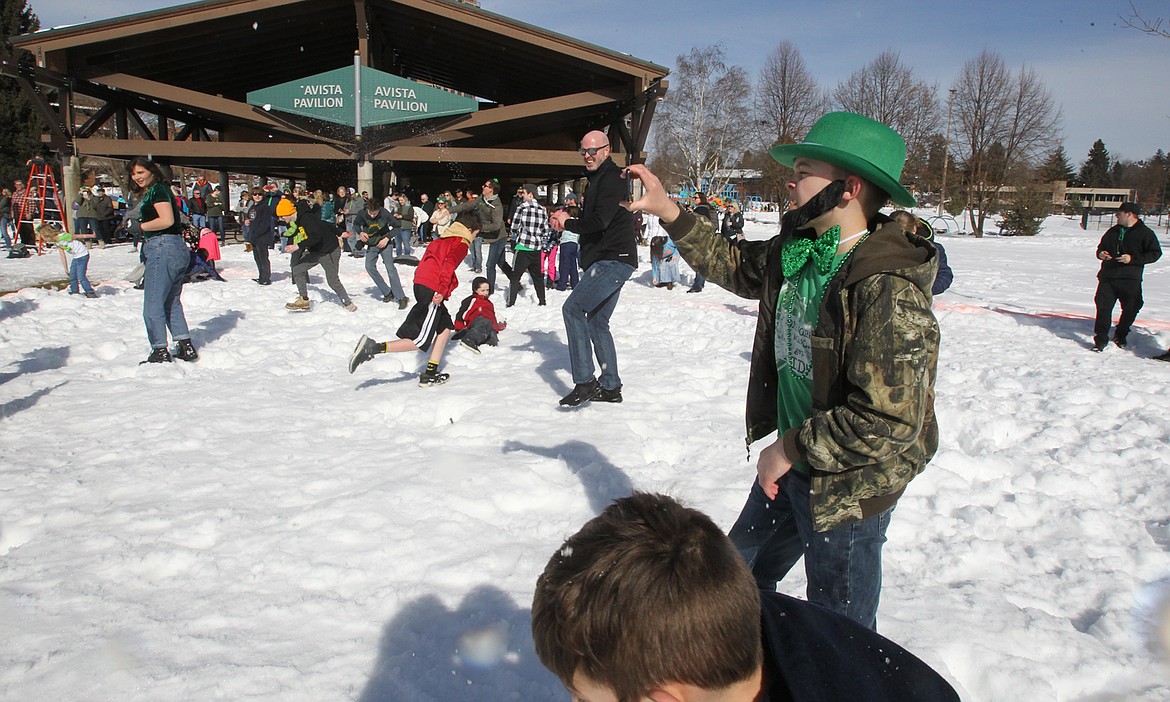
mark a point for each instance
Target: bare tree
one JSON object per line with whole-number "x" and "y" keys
{"x": 115, "y": 168}
{"x": 1153, "y": 25}
{"x": 788, "y": 100}
{"x": 1005, "y": 122}
{"x": 886, "y": 90}
{"x": 702, "y": 120}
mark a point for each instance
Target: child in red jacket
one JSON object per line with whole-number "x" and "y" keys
{"x": 428, "y": 325}
{"x": 475, "y": 323}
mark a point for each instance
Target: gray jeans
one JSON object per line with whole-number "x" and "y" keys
{"x": 329, "y": 262}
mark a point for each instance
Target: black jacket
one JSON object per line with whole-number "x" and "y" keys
{"x": 320, "y": 236}
{"x": 606, "y": 228}
{"x": 1139, "y": 242}
{"x": 732, "y": 225}
{"x": 811, "y": 653}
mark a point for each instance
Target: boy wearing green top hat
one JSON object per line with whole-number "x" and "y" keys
{"x": 843, "y": 363}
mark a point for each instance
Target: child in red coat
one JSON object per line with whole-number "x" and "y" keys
{"x": 428, "y": 325}
{"x": 475, "y": 323}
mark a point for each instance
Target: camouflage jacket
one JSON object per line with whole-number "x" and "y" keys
{"x": 875, "y": 353}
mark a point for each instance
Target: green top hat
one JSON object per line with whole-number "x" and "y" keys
{"x": 857, "y": 144}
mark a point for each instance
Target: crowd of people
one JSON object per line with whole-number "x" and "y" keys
{"x": 842, "y": 379}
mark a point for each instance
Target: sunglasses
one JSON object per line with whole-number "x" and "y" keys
{"x": 591, "y": 151}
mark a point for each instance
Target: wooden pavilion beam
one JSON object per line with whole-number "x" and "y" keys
{"x": 308, "y": 152}
{"x": 208, "y": 104}
{"x": 207, "y": 149}
{"x": 125, "y": 29}
{"x": 461, "y": 129}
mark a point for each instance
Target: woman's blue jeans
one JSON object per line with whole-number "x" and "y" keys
{"x": 167, "y": 258}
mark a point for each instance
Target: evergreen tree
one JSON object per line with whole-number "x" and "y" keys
{"x": 1095, "y": 171}
{"x": 20, "y": 129}
{"x": 1056, "y": 167}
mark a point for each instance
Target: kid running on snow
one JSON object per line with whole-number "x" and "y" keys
{"x": 428, "y": 324}
{"x": 75, "y": 268}
{"x": 314, "y": 242}
{"x": 475, "y": 323}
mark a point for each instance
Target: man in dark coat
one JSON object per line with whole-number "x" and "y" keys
{"x": 609, "y": 256}
{"x": 259, "y": 223}
{"x": 1124, "y": 252}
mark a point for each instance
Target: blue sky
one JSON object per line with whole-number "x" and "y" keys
{"x": 1107, "y": 79}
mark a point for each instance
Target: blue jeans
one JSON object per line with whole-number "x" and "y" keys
{"x": 586, "y": 312}
{"x": 373, "y": 253}
{"x": 77, "y": 269}
{"x": 699, "y": 282}
{"x": 215, "y": 223}
{"x": 167, "y": 258}
{"x": 568, "y": 266}
{"x": 843, "y": 565}
{"x": 497, "y": 257}
{"x": 475, "y": 251}
{"x": 87, "y": 225}
{"x": 198, "y": 221}
{"x": 401, "y": 242}
{"x": 5, "y": 226}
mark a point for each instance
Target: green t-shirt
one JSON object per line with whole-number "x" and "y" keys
{"x": 797, "y": 311}
{"x": 154, "y": 194}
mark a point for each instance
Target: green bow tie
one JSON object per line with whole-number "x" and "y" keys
{"x": 797, "y": 251}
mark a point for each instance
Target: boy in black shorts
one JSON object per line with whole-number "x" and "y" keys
{"x": 428, "y": 325}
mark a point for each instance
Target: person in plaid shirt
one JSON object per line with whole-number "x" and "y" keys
{"x": 530, "y": 233}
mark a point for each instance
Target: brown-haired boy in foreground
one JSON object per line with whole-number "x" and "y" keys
{"x": 650, "y": 601}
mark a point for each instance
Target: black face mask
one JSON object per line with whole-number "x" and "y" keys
{"x": 795, "y": 222}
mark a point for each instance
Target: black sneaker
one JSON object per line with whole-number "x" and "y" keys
{"x": 159, "y": 355}
{"x": 428, "y": 379}
{"x": 1098, "y": 348}
{"x": 186, "y": 351}
{"x": 1118, "y": 342}
{"x": 470, "y": 346}
{"x": 389, "y": 297}
{"x": 582, "y": 392}
{"x": 604, "y": 395}
{"x": 403, "y": 303}
{"x": 366, "y": 349}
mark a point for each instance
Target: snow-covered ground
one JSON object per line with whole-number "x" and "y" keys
{"x": 262, "y": 525}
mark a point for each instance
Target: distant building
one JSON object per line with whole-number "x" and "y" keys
{"x": 1079, "y": 198}
{"x": 1093, "y": 198}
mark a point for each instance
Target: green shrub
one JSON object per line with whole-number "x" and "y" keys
{"x": 1025, "y": 211}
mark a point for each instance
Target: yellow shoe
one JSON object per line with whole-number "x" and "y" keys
{"x": 299, "y": 305}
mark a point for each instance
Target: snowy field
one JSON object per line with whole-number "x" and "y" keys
{"x": 262, "y": 525}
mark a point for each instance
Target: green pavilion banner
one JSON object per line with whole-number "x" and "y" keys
{"x": 385, "y": 98}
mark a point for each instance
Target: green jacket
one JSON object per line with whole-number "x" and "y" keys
{"x": 85, "y": 206}
{"x": 875, "y": 354}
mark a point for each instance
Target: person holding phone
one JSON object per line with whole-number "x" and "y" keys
{"x": 1124, "y": 251}
{"x": 609, "y": 256}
